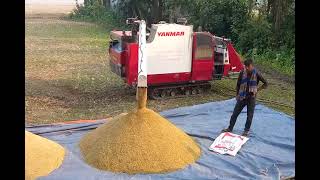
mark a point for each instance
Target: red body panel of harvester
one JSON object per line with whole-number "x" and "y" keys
{"x": 202, "y": 69}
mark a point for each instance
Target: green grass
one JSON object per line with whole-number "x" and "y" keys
{"x": 278, "y": 61}
{"x": 68, "y": 76}
{"x": 281, "y": 68}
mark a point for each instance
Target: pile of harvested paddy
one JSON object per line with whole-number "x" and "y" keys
{"x": 141, "y": 141}
{"x": 42, "y": 156}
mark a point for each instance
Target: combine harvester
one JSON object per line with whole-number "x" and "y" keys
{"x": 180, "y": 62}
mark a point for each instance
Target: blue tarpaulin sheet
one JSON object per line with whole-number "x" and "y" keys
{"x": 268, "y": 154}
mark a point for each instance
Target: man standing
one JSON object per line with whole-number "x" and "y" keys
{"x": 247, "y": 88}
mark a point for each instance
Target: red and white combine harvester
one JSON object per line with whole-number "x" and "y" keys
{"x": 180, "y": 62}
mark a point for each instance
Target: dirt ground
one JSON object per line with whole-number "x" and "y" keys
{"x": 31, "y": 9}
{"x": 68, "y": 76}
{"x": 47, "y": 10}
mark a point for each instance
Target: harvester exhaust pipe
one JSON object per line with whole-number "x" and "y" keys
{"x": 142, "y": 66}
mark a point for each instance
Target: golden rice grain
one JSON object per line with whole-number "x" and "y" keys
{"x": 42, "y": 156}
{"x": 139, "y": 142}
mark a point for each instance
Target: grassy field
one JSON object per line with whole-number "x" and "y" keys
{"x": 68, "y": 77}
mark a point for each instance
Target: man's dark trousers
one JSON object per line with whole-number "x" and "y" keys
{"x": 250, "y": 102}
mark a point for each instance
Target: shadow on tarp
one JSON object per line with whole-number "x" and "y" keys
{"x": 268, "y": 154}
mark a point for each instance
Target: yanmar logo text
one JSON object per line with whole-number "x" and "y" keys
{"x": 171, "y": 33}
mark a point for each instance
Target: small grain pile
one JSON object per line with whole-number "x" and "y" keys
{"x": 41, "y": 156}
{"x": 139, "y": 142}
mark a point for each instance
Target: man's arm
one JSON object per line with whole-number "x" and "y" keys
{"x": 262, "y": 79}
{"x": 239, "y": 82}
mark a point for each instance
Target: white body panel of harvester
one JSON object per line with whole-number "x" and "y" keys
{"x": 169, "y": 48}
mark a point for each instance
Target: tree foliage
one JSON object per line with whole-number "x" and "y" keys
{"x": 259, "y": 26}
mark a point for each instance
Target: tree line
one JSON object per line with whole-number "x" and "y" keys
{"x": 261, "y": 28}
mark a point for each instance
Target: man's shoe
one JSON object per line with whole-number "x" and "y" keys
{"x": 226, "y": 130}
{"x": 245, "y": 133}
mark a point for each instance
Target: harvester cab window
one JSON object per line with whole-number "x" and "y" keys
{"x": 113, "y": 43}
{"x": 219, "y": 56}
{"x": 116, "y": 44}
{"x": 204, "y": 49}
{"x": 118, "y": 47}
{"x": 219, "y": 51}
